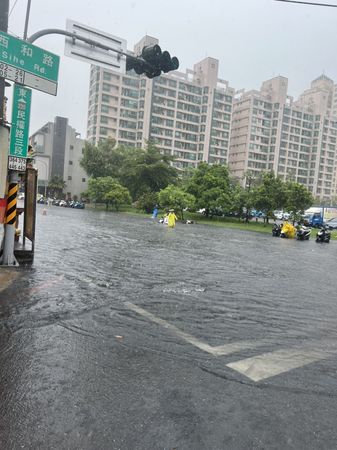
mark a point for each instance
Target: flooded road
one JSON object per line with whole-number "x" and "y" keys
{"x": 128, "y": 335}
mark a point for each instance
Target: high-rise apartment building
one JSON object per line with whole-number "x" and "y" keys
{"x": 297, "y": 140}
{"x": 195, "y": 116}
{"x": 187, "y": 115}
{"x": 59, "y": 150}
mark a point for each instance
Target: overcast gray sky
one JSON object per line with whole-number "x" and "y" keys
{"x": 253, "y": 39}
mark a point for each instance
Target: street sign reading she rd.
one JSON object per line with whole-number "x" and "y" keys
{"x": 20, "y": 121}
{"x": 27, "y": 64}
{"x": 93, "y": 54}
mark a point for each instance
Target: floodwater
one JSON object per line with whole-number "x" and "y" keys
{"x": 194, "y": 275}
{"x": 64, "y": 320}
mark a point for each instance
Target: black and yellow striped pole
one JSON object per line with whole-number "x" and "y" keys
{"x": 10, "y": 218}
{"x": 8, "y": 257}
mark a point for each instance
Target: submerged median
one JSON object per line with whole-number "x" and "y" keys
{"x": 218, "y": 221}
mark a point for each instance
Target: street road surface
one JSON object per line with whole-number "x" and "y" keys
{"x": 128, "y": 335}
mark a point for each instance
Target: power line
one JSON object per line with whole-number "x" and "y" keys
{"x": 12, "y": 8}
{"x": 308, "y": 3}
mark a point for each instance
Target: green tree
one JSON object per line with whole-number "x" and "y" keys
{"x": 269, "y": 194}
{"x": 243, "y": 199}
{"x": 298, "y": 199}
{"x": 175, "y": 197}
{"x": 105, "y": 159}
{"x": 147, "y": 201}
{"x": 109, "y": 191}
{"x": 56, "y": 185}
{"x": 147, "y": 171}
{"x": 118, "y": 195}
{"x": 211, "y": 188}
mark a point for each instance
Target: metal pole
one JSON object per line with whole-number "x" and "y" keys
{"x": 4, "y": 130}
{"x": 8, "y": 257}
{"x": 4, "y": 10}
{"x": 27, "y": 19}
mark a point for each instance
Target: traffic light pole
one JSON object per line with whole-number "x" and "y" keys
{"x": 4, "y": 130}
{"x": 4, "y": 11}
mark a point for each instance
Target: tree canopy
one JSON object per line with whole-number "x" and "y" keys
{"x": 119, "y": 174}
{"x": 109, "y": 191}
{"x": 175, "y": 197}
{"x": 211, "y": 188}
{"x": 56, "y": 185}
{"x": 269, "y": 194}
{"x": 147, "y": 171}
{"x": 140, "y": 170}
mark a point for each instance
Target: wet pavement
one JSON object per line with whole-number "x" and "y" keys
{"x": 129, "y": 335}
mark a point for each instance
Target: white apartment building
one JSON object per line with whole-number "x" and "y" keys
{"x": 59, "y": 150}
{"x": 297, "y": 140}
{"x": 187, "y": 115}
{"x": 195, "y": 116}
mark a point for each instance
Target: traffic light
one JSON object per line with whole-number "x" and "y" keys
{"x": 152, "y": 62}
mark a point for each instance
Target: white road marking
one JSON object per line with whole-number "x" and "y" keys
{"x": 257, "y": 368}
{"x": 221, "y": 350}
{"x": 274, "y": 363}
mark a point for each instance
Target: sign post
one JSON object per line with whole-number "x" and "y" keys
{"x": 16, "y": 163}
{"x": 20, "y": 128}
{"x": 27, "y": 64}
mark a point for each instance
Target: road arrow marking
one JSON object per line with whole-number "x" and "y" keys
{"x": 221, "y": 350}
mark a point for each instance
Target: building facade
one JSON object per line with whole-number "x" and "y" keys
{"x": 187, "y": 115}
{"x": 195, "y": 116}
{"x": 295, "y": 139}
{"x": 59, "y": 150}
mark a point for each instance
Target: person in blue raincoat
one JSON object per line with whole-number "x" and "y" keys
{"x": 155, "y": 212}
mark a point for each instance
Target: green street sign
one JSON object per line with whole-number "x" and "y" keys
{"x": 20, "y": 121}
{"x": 22, "y": 55}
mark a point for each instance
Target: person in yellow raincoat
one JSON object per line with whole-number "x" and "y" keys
{"x": 171, "y": 219}
{"x": 288, "y": 230}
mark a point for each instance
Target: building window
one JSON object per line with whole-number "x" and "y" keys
{"x": 70, "y": 163}
{"x": 106, "y": 76}
{"x": 71, "y": 147}
{"x": 70, "y": 178}
{"x": 83, "y": 180}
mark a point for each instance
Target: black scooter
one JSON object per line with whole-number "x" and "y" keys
{"x": 303, "y": 233}
{"x": 323, "y": 235}
{"x": 276, "y": 230}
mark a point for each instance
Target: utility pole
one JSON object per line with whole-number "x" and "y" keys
{"x": 4, "y": 11}
{"x": 4, "y": 130}
{"x": 8, "y": 258}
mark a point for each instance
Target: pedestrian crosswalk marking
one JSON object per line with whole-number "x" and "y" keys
{"x": 257, "y": 368}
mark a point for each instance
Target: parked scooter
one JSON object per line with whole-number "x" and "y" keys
{"x": 303, "y": 233}
{"x": 323, "y": 235}
{"x": 276, "y": 230}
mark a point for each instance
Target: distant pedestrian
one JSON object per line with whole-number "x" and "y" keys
{"x": 155, "y": 212}
{"x": 171, "y": 219}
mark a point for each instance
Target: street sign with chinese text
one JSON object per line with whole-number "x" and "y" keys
{"x": 27, "y": 64}
{"x": 18, "y": 164}
{"x": 20, "y": 121}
